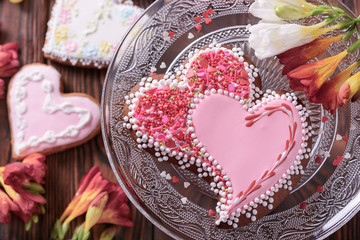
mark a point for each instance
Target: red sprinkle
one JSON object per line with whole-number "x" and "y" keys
{"x": 303, "y": 205}
{"x": 324, "y": 119}
{"x": 212, "y": 213}
{"x": 319, "y": 189}
{"x": 208, "y": 20}
{"x": 345, "y": 138}
{"x": 198, "y": 19}
{"x": 205, "y": 14}
{"x": 175, "y": 179}
{"x": 152, "y": 74}
{"x": 210, "y": 11}
{"x": 337, "y": 160}
{"x": 318, "y": 159}
{"x": 171, "y": 34}
{"x": 198, "y": 27}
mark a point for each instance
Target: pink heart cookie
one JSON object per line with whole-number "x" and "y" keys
{"x": 43, "y": 119}
{"x": 250, "y": 145}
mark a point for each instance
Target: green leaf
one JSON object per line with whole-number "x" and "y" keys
{"x": 354, "y": 46}
{"x": 339, "y": 11}
{"x": 317, "y": 12}
{"x": 349, "y": 33}
{"x": 35, "y": 218}
{"x": 28, "y": 225}
{"x": 346, "y": 24}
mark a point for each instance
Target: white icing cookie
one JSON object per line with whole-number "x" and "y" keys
{"x": 87, "y": 32}
{"x": 42, "y": 119}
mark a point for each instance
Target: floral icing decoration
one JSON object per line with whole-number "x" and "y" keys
{"x": 102, "y": 201}
{"x": 270, "y": 38}
{"x": 21, "y": 190}
{"x": 86, "y": 32}
{"x": 174, "y": 116}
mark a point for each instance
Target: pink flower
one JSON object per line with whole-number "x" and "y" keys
{"x": 65, "y": 16}
{"x": 9, "y": 63}
{"x": 2, "y": 89}
{"x": 71, "y": 47}
{"x": 19, "y": 180}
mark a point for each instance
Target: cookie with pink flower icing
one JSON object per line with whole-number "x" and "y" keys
{"x": 44, "y": 120}
{"x": 212, "y": 118}
{"x": 87, "y": 32}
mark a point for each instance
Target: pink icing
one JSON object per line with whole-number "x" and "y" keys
{"x": 38, "y": 121}
{"x": 245, "y": 153}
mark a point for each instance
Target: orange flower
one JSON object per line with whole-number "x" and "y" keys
{"x": 301, "y": 55}
{"x": 311, "y": 76}
{"x": 348, "y": 89}
{"x": 328, "y": 93}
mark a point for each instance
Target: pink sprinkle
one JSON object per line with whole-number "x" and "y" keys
{"x": 222, "y": 68}
{"x": 164, "y": 119}
{"x": 190, "y": 74}
{"x": 231, "y": 87}
{"x": 161, "y": 137}
{"x": 201, "y": 74}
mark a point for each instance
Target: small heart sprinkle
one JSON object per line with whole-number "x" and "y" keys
{"x": 171, "y": 34}
{"x": 352, "y": 127}
{"x": 184, "y": 200}
{"x": 163, "y": 65}
{"x": 153, "y": 69}
{"x": 198, "y": 27}
{"x": 186, "y": 184}
{"x": 163, "y": 174}
{"x": 345, "y": 138}
{"x": 324, "y": 119}
{"x": 190, "y": 36}
{"x": 208, "y": 20}
{"x": 338, "y": 137}
{"x": 318, "y": 159}
{"x": 321, "y": 131}
{"x": 152, "y": 74}
{"x": 205, "y": 14}
{"x": 337, "y": 160}
{"x": 326, "y": 154}
{"x": 319, "y": 189}
{"x": 347, "y": 156}
{"x": 175, "y": 179}
{"x": 303, "y": 205}
{"x": 198, "y": 19}
{"x": 168, "y": 176}
{"x": 212, "y": 213}
{"x": 210, "y": 11}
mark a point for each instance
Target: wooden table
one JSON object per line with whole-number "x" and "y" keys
{"x": 26, "y": 24}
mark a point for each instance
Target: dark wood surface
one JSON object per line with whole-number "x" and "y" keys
{"x": 26, "y": 24}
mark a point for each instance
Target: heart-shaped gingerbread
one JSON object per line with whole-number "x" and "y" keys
{"x": 212, "y": 118}
{"x": 44, "y": 120}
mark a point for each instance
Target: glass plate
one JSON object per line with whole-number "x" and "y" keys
{"x": 147, "y": 45}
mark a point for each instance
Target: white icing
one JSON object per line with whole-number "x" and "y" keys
{"x": 50, "y": 107}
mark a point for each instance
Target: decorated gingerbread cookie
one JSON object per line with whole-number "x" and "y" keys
{"x": 87, "y": 32}
{"x": 44, "y": 120}
{"x": 211, "y": 117}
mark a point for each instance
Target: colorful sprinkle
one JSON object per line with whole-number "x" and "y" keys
{"x": 171, "y": 34}
{"x": 318, "y": 159}
{"x": 208, "y": 20}
{"x": 324, "y": 119}
{"x": 175, "y": 179}
{"x": 337, "y": 160}
{"x": 197, "y": 19}
{"x": 345, "y": 138}
{"x": 198, "y": 27}
{"x": 212, "y": 213}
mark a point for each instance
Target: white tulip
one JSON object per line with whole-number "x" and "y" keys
{"x": 271, "y": 39}
{"x": 276, "y": 10}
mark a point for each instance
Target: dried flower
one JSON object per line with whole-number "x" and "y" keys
{"x": 310, "y": 77}
{"x": 276, "y": 10}
{"x": 301, "y": 55}
{"x": 9, "y": 63}
{"x": 328, "y": 93}
{"x": 109, "y": 233}
{"x": 22, "y": 194}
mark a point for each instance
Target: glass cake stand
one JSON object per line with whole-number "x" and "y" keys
{"x": 148, "y": 45}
